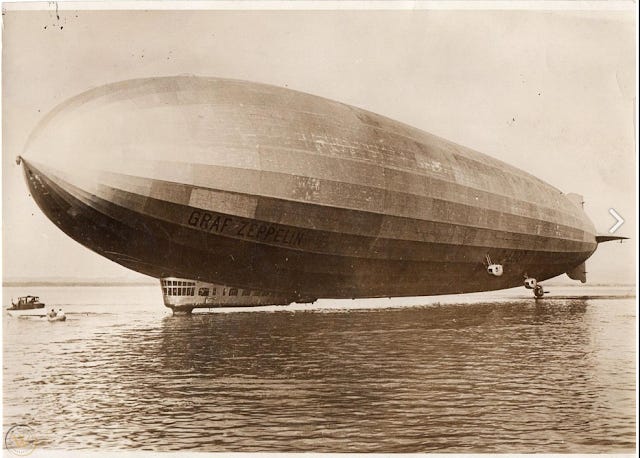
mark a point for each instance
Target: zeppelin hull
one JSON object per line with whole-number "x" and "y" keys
{"x": 258, "y": 187}
{"x": 194, "y": 243}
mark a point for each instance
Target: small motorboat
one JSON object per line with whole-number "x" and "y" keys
{"x": 27, "y": 306}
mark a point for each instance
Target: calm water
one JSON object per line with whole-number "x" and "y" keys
{"x": 477, "y": 373}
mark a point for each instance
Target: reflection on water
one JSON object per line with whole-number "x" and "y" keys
{"x": 511, "y": 376}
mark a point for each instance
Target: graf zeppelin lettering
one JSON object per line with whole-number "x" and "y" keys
{"x": 234, "y": 226}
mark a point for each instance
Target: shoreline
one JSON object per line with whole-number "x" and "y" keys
{"x": 15, "y": 284}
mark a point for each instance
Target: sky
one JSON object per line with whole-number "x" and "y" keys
{"x": 550, "y": 92}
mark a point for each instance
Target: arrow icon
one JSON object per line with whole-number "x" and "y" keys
{"x": 619, "y": 221}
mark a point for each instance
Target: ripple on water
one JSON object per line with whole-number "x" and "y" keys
{"x": 507, "y": 376}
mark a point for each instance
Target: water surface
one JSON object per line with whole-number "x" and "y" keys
{"x": 496, "y": 372}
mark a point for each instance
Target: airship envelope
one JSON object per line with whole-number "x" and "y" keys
{"x": 261, "y": 188}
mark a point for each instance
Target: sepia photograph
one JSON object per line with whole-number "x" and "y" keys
{"x": 330, "y": 227}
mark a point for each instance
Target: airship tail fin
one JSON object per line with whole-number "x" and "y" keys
{"x": 608, "y": 238}
{"x": 579, "y": 272}
{"x": 576, "y": 199}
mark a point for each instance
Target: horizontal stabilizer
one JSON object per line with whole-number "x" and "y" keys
{"x": 608, "y": 238}
{"x": 578, "y": 273}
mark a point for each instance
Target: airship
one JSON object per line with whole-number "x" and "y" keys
{"x": 239, "y": 193}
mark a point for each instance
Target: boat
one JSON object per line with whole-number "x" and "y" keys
{"x": 57, "y": 318}
{"x": 239, "y": 193}
{"x": 27, "y": 306}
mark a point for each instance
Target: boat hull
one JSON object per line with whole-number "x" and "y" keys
{"x": 57, "y": 318}
{"x": 27, "y": 313}
{"x": 268, "y": 189}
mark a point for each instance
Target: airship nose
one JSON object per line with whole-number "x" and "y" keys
{"x": 42, "y": 190}
{"x": 39, "y": 184}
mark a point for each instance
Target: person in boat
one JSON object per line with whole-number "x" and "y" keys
{"x": 52, "y": 314}
{"x": 60, "y": 313}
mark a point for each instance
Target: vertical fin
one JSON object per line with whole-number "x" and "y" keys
{"x": 575, "y": 199}
{"x": 579, "y": 272}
